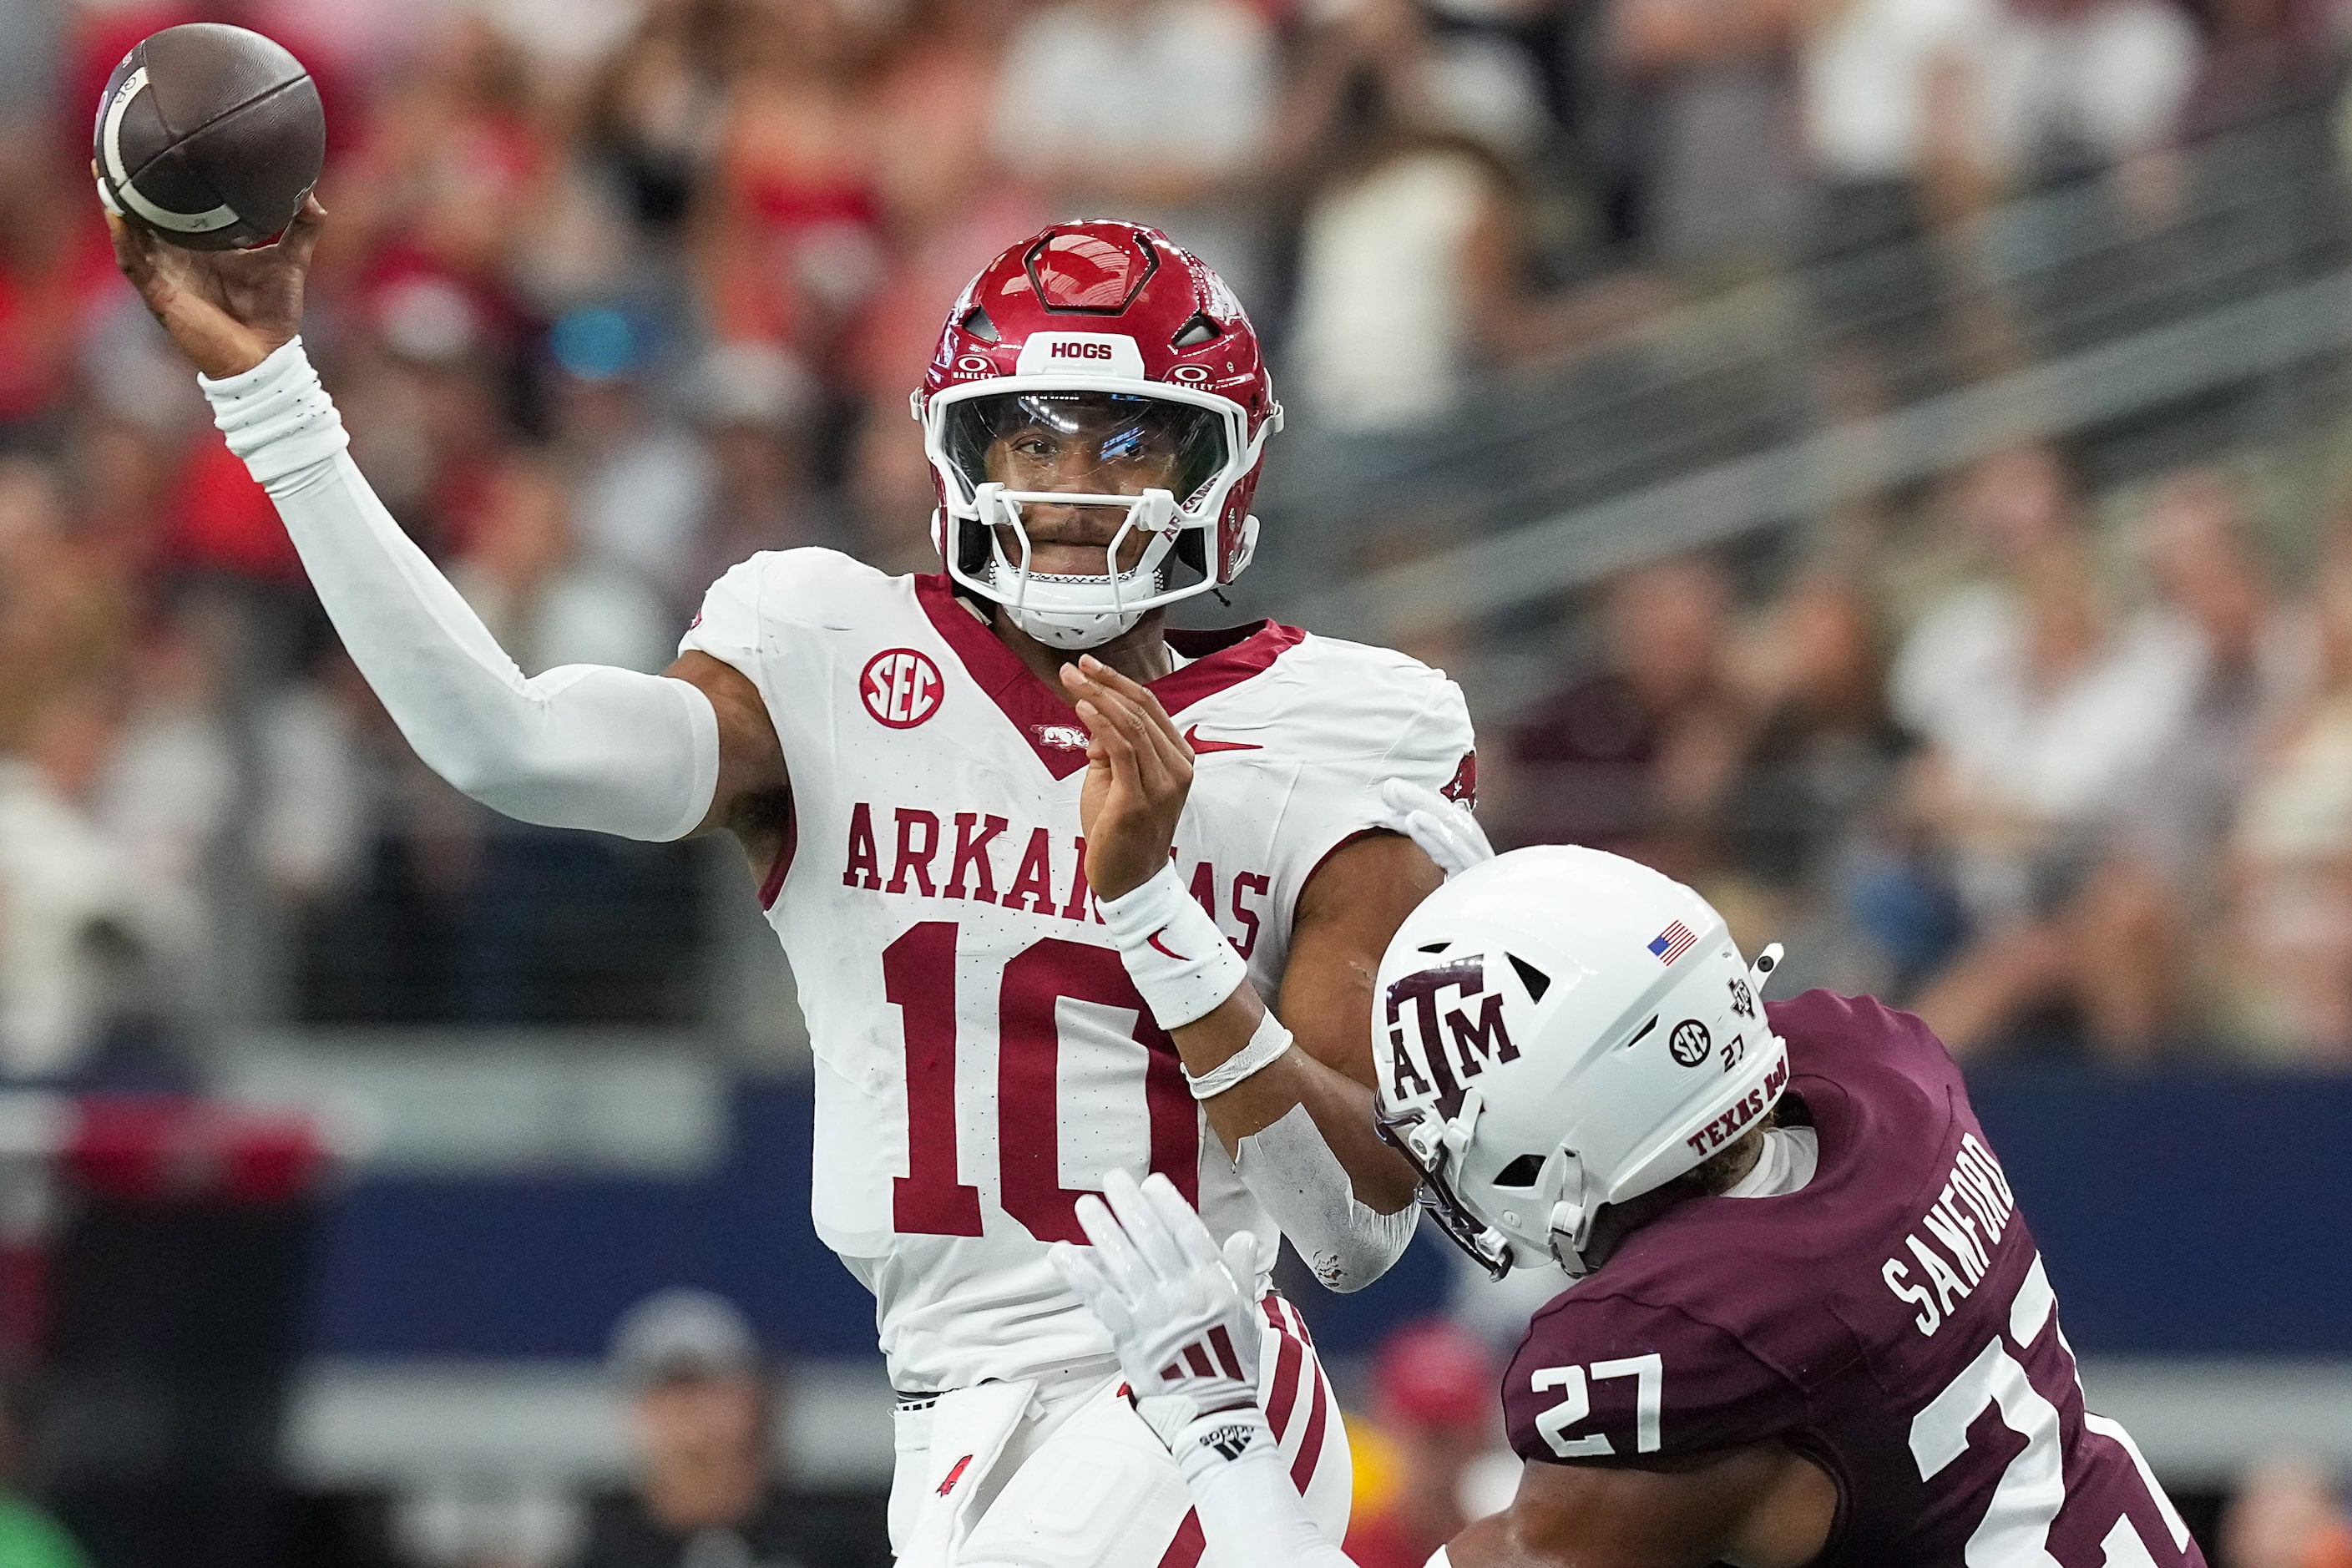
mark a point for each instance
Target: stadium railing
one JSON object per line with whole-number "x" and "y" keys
{"x": 2145, "y": 338}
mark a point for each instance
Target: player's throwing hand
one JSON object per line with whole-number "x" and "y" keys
{"x": 228, "y": 310}
{"x": 1179, "y": 1311}
{"x": 1139, "y": 771}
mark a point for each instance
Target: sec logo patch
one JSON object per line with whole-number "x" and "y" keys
{"x": 1689, "y": 1042}
{"x": 901, "y": 688}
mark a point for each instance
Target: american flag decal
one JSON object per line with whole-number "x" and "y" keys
{"x": 1673, "y": 942}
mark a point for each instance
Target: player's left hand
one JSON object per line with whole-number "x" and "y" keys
{"x": 1179, "y": 1311}
{"x": 1139, "y": 771}
{"x": 1445, "y": 829}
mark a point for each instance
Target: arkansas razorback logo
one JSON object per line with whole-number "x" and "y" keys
{"x": 1462, "y": 787}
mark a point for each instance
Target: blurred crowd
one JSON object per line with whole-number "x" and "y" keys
{"x": 618, "y": 291}
{"x": 2065, "y": 780}
{"x": 706, "y": 1408}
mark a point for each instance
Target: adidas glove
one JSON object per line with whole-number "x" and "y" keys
{"x": 1177, "y": 1311}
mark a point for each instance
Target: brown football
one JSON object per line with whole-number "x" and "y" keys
{"x": 210, "y": 136}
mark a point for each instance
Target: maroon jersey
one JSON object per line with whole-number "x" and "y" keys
{"x": 1891, "y": 1321}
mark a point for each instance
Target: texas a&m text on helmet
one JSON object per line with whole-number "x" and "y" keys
{"x": 1117, "y": 362}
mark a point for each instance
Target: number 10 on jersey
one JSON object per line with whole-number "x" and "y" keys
{"x": 919, "y": 975}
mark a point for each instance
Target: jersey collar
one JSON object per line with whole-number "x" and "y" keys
{"x": 1220, "y": 659}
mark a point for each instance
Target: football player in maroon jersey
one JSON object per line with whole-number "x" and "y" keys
{"x": 1804, "y": 1320}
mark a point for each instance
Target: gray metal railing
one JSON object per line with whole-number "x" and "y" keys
{"x": 2067, "y": 314}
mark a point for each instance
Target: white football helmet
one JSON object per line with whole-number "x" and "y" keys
{"x": 1562, "y": 1031}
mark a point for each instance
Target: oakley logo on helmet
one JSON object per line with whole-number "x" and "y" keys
{"x": 1690, "y": 1042}
{"x": 1478, "y": 1037}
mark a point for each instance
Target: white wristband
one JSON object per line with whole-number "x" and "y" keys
{"x": 1265, "y": 1047}
{"x": 1178, "y": 958}
{"x": 1208, "y": 1442}
{"x": 1249, "y": 1509}
{"x": 276, "y": 417}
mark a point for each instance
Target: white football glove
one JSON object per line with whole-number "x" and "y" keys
{"x": 1180, "y": 1314}
{"x": 1445, "y": 831}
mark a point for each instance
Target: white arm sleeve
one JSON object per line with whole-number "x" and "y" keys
{"x": 581, "y": 746}
{"x": 1250, "y": 1512}
{"x": 1289, "y": 1167}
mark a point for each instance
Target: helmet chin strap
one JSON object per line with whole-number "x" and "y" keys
{"x": 1571, "y": 1217}
{"x": 1072, "y": 629}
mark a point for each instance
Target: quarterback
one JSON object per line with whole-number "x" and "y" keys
{"x": 1039, "y": 861}
{"x": 1803, "y": 1321}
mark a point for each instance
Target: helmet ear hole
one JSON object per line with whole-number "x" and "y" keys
{"x": 1523, "y": 1172}
{"x": 971, "y": 547}
{"x": 1192, "y": 549}
{"x": 1193, "y": 334}
{"x": 1534, "y": 979}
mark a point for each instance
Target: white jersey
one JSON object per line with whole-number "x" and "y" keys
{"x": 981, "y": 1056}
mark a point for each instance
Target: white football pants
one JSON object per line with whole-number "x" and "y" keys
{"x": 1038, "y": 1475}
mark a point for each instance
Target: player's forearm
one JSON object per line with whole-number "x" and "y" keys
{"x": 1301, "y": 1138}
{"x": 1339, "y": 1107}
{"x": 583, "y": 747}
{"x": 1300, "y": 1134}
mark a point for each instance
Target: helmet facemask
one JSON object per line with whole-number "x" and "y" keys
{"x": 1438, "y": 1149}
{"x": 1431, "y": 1146}
{"x": 1079, "y": 507}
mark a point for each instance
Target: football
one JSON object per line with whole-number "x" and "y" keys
{"x": 209, "y": 135}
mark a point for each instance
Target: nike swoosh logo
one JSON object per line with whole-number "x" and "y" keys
{"x": 1193, "y": 739}
{"x": 1154, "y": 943}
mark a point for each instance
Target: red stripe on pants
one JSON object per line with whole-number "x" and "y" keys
{"x": 1310, "y": 1446}
{"x": 1185, "y": 1551}
{"x": 1284, "y": 1396}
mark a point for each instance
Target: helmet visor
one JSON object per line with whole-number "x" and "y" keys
{"x": 1085, "y": 443}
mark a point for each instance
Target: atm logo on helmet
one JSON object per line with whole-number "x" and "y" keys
{"x": 1455, "y": 1044}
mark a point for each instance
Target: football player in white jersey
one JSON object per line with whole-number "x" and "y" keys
{"x": 1039, "y": 862}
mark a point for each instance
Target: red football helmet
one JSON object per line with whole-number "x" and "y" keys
{"x": 1107, "y": 359}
